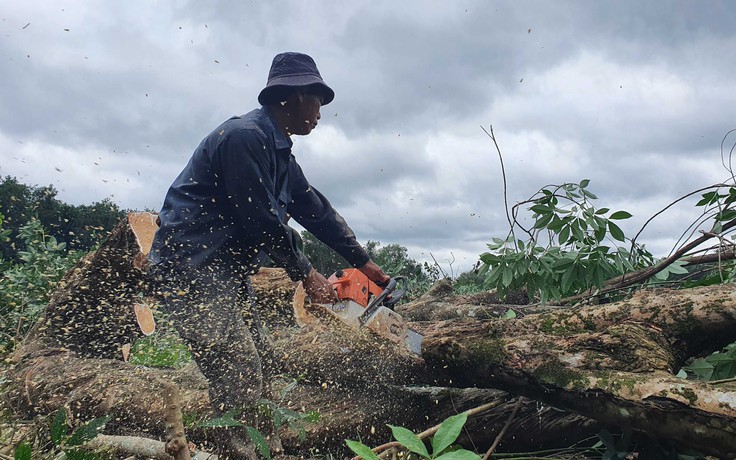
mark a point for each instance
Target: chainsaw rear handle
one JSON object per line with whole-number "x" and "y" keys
{"x": 396, "y": 294}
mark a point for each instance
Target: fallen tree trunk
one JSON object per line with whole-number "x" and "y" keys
{"x": 612, "y": 364}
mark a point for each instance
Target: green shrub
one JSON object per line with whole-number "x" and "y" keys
{"x": 567, "y": 249}
{"x": 26, "y": 286}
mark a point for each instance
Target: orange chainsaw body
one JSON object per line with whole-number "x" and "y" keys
{"x": 352, "y": 284}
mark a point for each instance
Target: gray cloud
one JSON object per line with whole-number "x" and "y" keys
{"x": 634, "y": 96}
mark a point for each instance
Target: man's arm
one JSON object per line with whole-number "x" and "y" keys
{"x": 315, "y": 213}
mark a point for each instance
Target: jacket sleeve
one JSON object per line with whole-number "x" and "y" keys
{"x": 245, "y": 164}
{"x": 312, "y": 210}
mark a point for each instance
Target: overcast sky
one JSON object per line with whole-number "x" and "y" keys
{"x": 109, "y": 99}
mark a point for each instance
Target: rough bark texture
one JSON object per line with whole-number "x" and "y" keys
{"x": 610, "y": 365}
{"x": 613, "y": 362}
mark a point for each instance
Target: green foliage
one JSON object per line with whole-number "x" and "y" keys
{"x": 566, "y": 252}
{"x": 470, "y": 282}
{"x": 80, "y": 227}
{"x": 26, "y": 285}
{"x": 720, "y": 204}
{"x": 67, "y": 445}
{"x": 225, "y": 420}
{"x": 395, "y": 261}
{"x": 85, "y": 433}
{"x": 361, "y": 450}
{"x": 259, "y": 441}
{"x": 718, "y": 366}
{"x": 279, "y": 414}
{"x": 442, "y": 442}
{"x": 160, "y": 350}
{"x": 23, "y": 452}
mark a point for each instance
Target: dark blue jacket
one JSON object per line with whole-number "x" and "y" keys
{"x": 230, "y": 203}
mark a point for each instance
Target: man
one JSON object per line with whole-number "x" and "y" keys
{"x": 229, "y": 207}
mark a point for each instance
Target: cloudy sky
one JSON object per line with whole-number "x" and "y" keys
{"x": 109, "y": 99}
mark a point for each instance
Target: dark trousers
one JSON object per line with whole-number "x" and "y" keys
{"x": 218, "y": 319}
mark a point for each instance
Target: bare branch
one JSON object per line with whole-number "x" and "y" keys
{"x": 503, "y": 174}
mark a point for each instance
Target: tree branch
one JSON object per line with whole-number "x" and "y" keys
{"x": 642, "y": 275}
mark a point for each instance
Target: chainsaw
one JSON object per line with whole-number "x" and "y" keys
{"x": 365, "y": 304}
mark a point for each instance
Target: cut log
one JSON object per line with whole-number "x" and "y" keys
{"x": 614, "y": 362}
{"x": 608, "y": 365}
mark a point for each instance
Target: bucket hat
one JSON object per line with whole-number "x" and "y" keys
{"x": 289, "y": 70}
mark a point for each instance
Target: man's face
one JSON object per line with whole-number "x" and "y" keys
{"x": 307, "y": 114}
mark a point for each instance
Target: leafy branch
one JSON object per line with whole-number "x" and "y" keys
{"x": 566, "y": 249}
{"x": 574, "y": 251}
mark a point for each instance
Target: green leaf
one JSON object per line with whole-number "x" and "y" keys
{"x": 662, "y": 275}
{"x": 311, "y": 417}
{"x": 227, "y": 419}
{"x": 590, "y": 195}
{"x": 493, "y": 277}
{"x": 510, "y": 314}
{"x": 449, "y": 431}
{"x": 409, "y": 440}
{"x": 619, "y": 215}
{"x": 616, "y": 232}
{"x": 577, "y": 232}
{"x": 708, "y": 198}
{"x": 460, "y": 454}
{"x": 567, "y": 280}
{"x": 600, "y": 232}
{"x": 543, "y": 221}
{"x": 520, "y": 244}
{"x": 541, "y": 209}
{"x": 23, "y": 451}
{"x": 602, "y": 211}
{"x": 361, "y": 450}
{"x": 87, "y": 432}
{"x": 677, "y": 267}
{"x": 259, "y": 441}
{"x": 584, "y": 183}
{"x": 287, "y": 389}
{"x": 702, "y": 368}
{"x": 556, "y": 224}
{"x": 59, "y": 428}
{"x": 488, "y": 258}
{"x": 724, "y": 365}
{"x": 507, "y": 276}
{"x": 564, "y": 234}
{"x": 726, "y": 215}
{"x": 563, "y": 262}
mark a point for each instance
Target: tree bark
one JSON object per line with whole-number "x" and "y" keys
{"x": 607, "y": 365}
{"x": 613, "y": 362}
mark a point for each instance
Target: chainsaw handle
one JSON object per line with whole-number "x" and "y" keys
{"x": 390, "y": 286}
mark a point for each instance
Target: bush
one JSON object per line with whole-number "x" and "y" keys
{"x": 26, "y": 285}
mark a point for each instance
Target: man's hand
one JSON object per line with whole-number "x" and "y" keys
{"x": 319, "y": 289}
{"x": 374, "y": 273}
